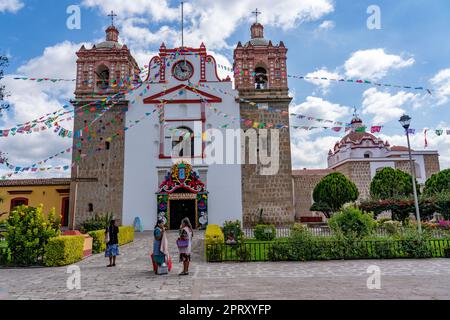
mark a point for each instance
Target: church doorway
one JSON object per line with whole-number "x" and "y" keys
{"x": 182, "y": 194}
{"x": 180, "y": 209}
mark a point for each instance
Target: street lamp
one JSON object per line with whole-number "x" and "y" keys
{"x": 405, "y": 121}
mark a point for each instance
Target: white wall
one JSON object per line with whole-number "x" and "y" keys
{"x": 142, "y": 152}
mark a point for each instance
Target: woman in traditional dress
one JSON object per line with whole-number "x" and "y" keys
{"x": 112, "y": 245}
{"x": 186, "y": 234}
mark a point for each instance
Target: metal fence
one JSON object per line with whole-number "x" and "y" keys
{"x": 328, "y": 250}
{"x": 285, "y": 232}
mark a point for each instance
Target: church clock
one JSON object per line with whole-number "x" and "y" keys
{"x": 183, "y": 70}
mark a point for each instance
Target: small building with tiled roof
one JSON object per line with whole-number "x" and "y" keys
{"x": 51, "y": 193}
{"x": 360, "y": 155}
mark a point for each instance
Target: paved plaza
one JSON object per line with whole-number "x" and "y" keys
{"x": 134, "y": 279}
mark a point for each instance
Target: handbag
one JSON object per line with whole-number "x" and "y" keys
{"x": 181, "y": 243}
{"x": 107, "y": 237}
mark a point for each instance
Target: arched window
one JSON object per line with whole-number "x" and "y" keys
{"x": 261, "y": 78}
{"x": 183, "y": 142}
{"x": 102, "y": 77}
{"x": 90, "y": 207}
{"x": 18, "y": 202}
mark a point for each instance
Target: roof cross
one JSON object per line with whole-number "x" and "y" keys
{"x": 256, "y": 13}
{"x": 112, "y": 15}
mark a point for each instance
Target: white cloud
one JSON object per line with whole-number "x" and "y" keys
{"x": 323, "y": 109}
{"x": 30, "y": 100}
{"x": 310, "y": 152}
{"x": 157, "y": 9}
{"x": 384, "y": 106}
{"x": 374, "y": 64}
{"x": 326, "y": 25}
{"x": 324, "y": 85}
{"x": 440, "y": 143}
{"x": 11, "y": 5}
{"x": 211, "y": 22}
{"x": 441, "y": 85}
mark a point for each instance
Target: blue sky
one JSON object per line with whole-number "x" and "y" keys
{"x": 329, "y": 37}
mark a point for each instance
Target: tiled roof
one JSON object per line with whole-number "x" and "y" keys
{"x": 311, "y": 172}
{"x": 399, "y": 148}
{"x": 34, "y": 182}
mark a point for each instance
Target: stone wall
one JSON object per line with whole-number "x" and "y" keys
{"x": 359, "y": 173}
{"x": 272, "y": 193}
{"x": 304, "y": 184}
{"x": 431, "y": 164}
{"x": 94, "y": 161}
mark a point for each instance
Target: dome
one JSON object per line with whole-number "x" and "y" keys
{"x": 258, "y": 42}
{"x": 108, "y": 45}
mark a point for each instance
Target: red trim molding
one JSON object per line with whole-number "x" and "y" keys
{"x": 157, "y": 98}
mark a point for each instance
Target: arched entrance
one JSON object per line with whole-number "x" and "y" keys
{"x": 182, "y": 194}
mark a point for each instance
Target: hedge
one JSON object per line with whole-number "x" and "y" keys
{"x": 214, "y": 239}
{"x": 126, "y": 235}
{"x": 265, "y": 232}
{"x": 64, "y": 250}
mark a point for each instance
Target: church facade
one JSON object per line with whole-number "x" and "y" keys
{"x": 148, "y": 148}
{"x": 147, "y": 153}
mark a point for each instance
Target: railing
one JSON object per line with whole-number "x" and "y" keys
{"x": 285, "y": 232}
{"x": 328, "y": 250}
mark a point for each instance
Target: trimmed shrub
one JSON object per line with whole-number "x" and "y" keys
{"x": 98, "y": 241}
{"x": 352, "y": 223}
{"x": 28, "y": 234}
{"x": 265, "y": 232}
{"x": 233, "y": 230}
{"x": 61, "y": 251}
{"x": 126, "y": 235}
{"x": 333, "y": 191}
{"x": 214, "y": 242}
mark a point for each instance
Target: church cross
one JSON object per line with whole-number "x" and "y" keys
{"x": 112, "y": 15}
{"x": 256, "y": 13}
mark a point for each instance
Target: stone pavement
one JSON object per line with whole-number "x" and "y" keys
{"x": 133, "y": 278}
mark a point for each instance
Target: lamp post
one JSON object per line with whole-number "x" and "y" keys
{"x": 405, "y": 121}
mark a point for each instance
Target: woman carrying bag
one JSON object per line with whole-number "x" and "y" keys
{"x": 184, "y": 244}
{"x": 160, "y": 257}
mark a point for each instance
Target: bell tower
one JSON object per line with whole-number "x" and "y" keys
{"x": 104, "y": 72}
{"x": 261, "y": 80}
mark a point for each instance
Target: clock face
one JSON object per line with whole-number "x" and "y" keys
{"x": 183, "y": 70}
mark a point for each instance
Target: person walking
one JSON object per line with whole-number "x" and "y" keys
{"x": 112, "y": 243}
{"x": 184, "y": 244}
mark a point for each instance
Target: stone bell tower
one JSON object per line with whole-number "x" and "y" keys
{"x": 261, "y": 78}
{"x": 103, "y": 72}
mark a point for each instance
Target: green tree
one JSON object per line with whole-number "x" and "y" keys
{"x": 437, "y": 183}
{"x": 332, "y": 192}
{"x": 391, "y": 183}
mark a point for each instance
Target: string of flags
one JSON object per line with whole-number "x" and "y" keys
{"x": 282, "y": 72}
{"x": 123, "y": 83}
